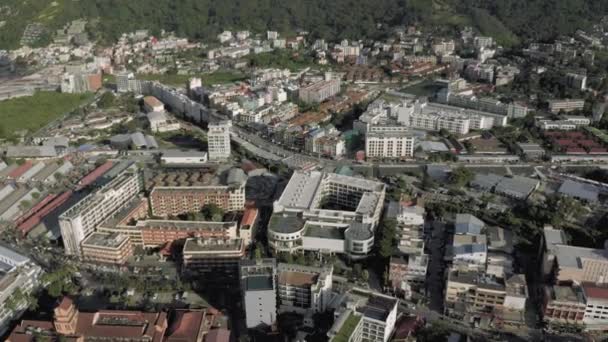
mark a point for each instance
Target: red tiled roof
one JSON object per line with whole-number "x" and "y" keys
{"x": 31, "y": 222}
{"x": 185, "y": 326}
{"x": 18, "y": 172}
{"x": 218, "y": 335}
{"x": 249, "y": 217}
{"x": 98, "y": 172}
{"x": 592, "y": 291}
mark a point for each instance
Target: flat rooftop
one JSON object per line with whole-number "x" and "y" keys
{"x": 213, "y": 245}
{"x": 102, "y": 240}
{"x": 300, "y": 279}
{"x": 259, "y": 283}
{"x": 378, "y": 307}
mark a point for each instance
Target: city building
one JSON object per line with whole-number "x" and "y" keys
{"x": 385, "y": 145}
{"x": 69, "y": 322}
{"x": 160, "y": 122}
{"x": 112, "y": 249}
{"x": 213, "y": 259}
{"x": 304, "y": 289}
{"x": 80, "y": 220}
{"x": 327, "y": 212}
{"x": 407, "y": 273}
{"x": 78, "y": 83}
{"x": 18, "y": 274}
{"x": 227, "y": 193}
{"x": 369, "y": 317}
{"x": 152, "y": 104}
{"x": 259, "y": 290}
{"x": 177, "y": 157}
{"x": 410, "y": 225}
{"x": 320, "y": 91}
{"x": 572, "y": 263}
{"x": 470, "y": 247}
{"x": 218, "y": 140}
{"x": 564, "y": 304}
{"x": 567, "y": 105}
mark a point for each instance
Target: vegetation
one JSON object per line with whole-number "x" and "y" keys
{"x": 461, "y": 176}
{"x": 282, "y": 59}
{"x": 508, "y": 20}
{"x": 387, "y": 238}
{"x": 38, "y": 110}
{"x": 347, "y": 328}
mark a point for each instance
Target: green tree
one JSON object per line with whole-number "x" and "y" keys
{"x": 213, "y": 212}
{"x": 106, "y": 100}
{"x": 387, "y": 241}
{"x": 461, "y": 176}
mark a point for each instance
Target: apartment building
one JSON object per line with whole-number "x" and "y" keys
{"x": 79, "y": 221}
{"x": 226, "y": 192}
{"x": 364, "y": 317}
{"x": 218, "y": 140}
{"x": 387, "y": 145}
{"x": 564, "y": 304}
{"x": 472, "y": 291}
{"x": 567, "y": 105}
{"x": 596, "y": 311}
{"x": 569, "y": 123}
{"x": 319, "y": 91}
{"x": 407, "y": 273}
{"x": 111, "y": 249}
{"x": 304, "y": 289}
{"x": 259, "y": 291}
{"x": 470, "y": 247}
{"x": 571, "y": 263}
{"x": 214, "y": 259}
{"x": 410, "y": 225}
{"x": 17, "y": 273}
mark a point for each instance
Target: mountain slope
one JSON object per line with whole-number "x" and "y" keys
{"x": 509, "y": 20}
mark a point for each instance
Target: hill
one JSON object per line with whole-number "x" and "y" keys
{"x": 510, "y": 21}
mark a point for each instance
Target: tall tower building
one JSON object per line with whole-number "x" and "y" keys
{"x": 218, "y": 140}
{"x": 258, "y": 287}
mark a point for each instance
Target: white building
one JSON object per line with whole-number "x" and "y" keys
{"x": 17, "y": 273}
{"x": 470, "y": 248}
{"x": 82, "y": 219}
{"x": 304, "y": 289}
{"x": 410, "y": 225}
{"x": 327, "y": 213}
{"x": 177, "y": 157}
{"x": 218, "y": 140}
{"x": 160, "y": 122}
{"x": 152, "y": 104}
{"x": 259, "y": 291}
{"x": 390, "y": 145}
{"x": 374, "y": 316}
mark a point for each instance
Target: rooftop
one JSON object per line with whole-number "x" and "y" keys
{"x": 103, "y": 240}
{"x": 580, "y": 190}
{"x": 378, "y": 307}
{"x": 300, "y": 279}
{"x": 285, "y": 223}
{"x": 259, "y": 283}
{"x": 213, "y": 245}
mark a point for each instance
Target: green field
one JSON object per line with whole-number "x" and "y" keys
{"x": 34, "y": 112}
{"x": 218, "y": 77}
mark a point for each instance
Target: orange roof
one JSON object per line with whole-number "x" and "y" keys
{"x": 185, "y": 326}
{"x": 297, "y": 278}
{"x": 592, "y": 291}
{"x": 249, "y": 217}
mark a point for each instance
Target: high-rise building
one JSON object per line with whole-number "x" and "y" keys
{"x": 79, "y": 221}
{"x": 389, "y": 145}
{"x": 259, "y": 291}
{"x": 218, "y": 140}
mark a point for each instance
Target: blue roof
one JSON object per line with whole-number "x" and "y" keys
{"x": 468, "y": 224}
{"x": 470, "y": 249}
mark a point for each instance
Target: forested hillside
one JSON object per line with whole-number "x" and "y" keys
{"x": 509, "y": 20}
